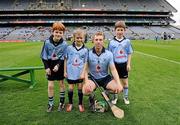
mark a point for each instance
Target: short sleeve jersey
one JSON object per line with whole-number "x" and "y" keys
{"x": 76, "y": 58}
{"x": 120, "y": 49}
{"x": 99, "y": 64}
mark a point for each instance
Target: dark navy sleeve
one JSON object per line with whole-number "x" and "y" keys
{"x": 44, "y": 54}
{"x": 45, "y": 62}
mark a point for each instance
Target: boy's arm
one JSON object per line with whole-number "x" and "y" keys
{"x": 129, "y": 52}
{"x": 129, "y": 62}
{"x": 115, "y": 74}
{"x": 65, "y": 67}
{"x": 46, "y": 66}
{"x": 65, "y": 54}
{"x": 113, "y": 69}
{"x": 45, "y": 62}
{"x": 82, "y": 76}
{"x": 116, "y": 78}
{"x": 44, "y": 56}
{"x": 86, "y": 71}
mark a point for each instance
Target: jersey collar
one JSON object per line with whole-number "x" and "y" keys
{"x": 120, "y": 40}
{"x": 94, "y": 51}
{"x": 55, "y": 43}
{"x": 74, "y": 45}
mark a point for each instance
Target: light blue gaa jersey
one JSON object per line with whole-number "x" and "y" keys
{"x": 52, "y": 52}
{"x": 99, "y": 65}
{"x": 76, "y": 58}
{"x": 120, "y": 49}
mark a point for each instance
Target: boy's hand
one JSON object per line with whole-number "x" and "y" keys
{"x": 48, "y": 71}
{"x": 128, "y": 67}
{"x": 82, "y": 76}
{"x": 118, "y": 88}
{"x": 56, "y": 67}
{"x": 65, "y": 74}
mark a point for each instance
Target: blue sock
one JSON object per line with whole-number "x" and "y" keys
{"x": 125, "y": 91}
{"x": 51, "y": 101}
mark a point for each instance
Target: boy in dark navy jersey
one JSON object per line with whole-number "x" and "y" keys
{"x": 100, "y": 61}
{"x": 75, "y": 63}
{"x": 122, "y": 50}
{"x": 52, "y": 56}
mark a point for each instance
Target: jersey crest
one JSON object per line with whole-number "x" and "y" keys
{"x": 121, "y": 52}
{"x": 75, "y": 62}
{"x": 98, "y": 68}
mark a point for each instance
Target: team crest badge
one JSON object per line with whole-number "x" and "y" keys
{"x": 75, "y": 62}
{"x": 54, "y": 56}
{"x": 98, "y": 68}
{"x": 121, "y": 51}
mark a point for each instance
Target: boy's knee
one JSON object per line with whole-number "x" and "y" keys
{"x": 70, "y": 89}
{"x": 86, "y": 91}
{"x": 62, "y": 85}
{"x": 50, "y": 87}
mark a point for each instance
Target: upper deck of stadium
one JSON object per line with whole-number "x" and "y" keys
{"x": 97, "y": 5}
{"x": 145, "y": 18}
{"x": 155, "y": 12}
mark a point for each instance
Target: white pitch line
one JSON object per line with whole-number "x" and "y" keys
{"x": 172, "y": 61}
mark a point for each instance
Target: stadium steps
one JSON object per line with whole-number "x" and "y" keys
{"x": 174, "y": 30}
{"x": 4, "y": 36}
{"x": 154, "y": 31}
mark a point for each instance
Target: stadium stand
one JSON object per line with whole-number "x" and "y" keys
{"x": 30, "y": 20}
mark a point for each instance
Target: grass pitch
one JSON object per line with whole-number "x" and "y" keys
{"x": 154, "y": 85}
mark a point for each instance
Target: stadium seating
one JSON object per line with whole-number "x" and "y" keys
{"x": 145, "y": 19}
{"x": 135, "y": 5}
{"x": 132, "y": 32}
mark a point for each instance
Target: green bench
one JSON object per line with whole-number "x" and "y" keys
{"x": 21, "y": 71}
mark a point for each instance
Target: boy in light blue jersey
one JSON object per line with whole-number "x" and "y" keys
{"x": 52, "y": 56}
{"x": 99, "y": 61}
{"x": 75, "y": 63}
{"x": 122, "y": 50}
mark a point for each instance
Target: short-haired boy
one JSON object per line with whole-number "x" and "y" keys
{"x": 122, "y": 50}
{"x": 52, "y": 56}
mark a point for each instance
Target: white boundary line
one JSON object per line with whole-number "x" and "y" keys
{"x": 172, "y": 61}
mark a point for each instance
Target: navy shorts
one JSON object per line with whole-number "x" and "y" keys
{"x": 74, "y": 81}
{"x": 59, "y": 75}
{"x": 102, "y": 81}
{"x": 122, "y": 70}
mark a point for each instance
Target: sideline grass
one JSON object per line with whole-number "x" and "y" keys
{"x": 154, "y": 90}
